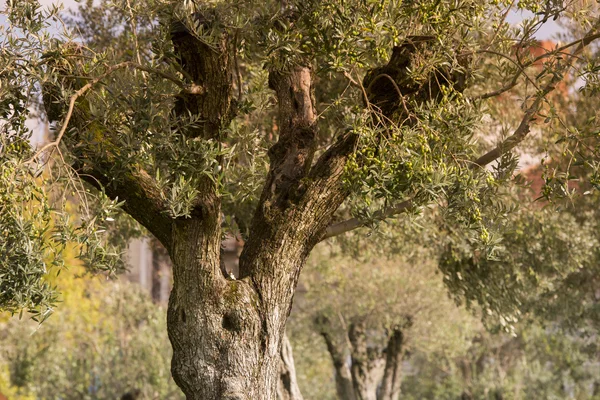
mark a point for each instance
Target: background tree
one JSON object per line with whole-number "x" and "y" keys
{"x": 538, "y": 362}
{"x": 105, "y": 340}
{"x": 181, "y": 132}
{"x": 373, "y": 311}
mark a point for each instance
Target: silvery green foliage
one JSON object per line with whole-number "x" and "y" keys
{"x": 424, "y": 151}
{"x": 37, "y": 206}
{"x": 541, "y": 266}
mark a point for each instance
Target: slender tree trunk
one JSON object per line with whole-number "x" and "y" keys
{"x": 340, "y": 355}
{"x": 367, "y": 364}
{"x": 288, "y": 385}
{"x": 392, "y": 375}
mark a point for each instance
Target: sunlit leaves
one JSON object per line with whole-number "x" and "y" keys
{"x": 539, "y": 250}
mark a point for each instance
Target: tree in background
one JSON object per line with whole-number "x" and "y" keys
{"x": 538, "y": 363}
{"x": 540, "y": 289}
{"x": 105, "y": 340}
{"x": 288, "y": 122}
{"x": 373, "y": 311}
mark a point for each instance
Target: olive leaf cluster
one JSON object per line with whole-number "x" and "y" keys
{"x": 421, "y": 120}
{"x": 538, "y": 268}
{"x": 44, "y": 208}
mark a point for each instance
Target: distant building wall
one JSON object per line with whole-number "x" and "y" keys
{"x": 148, "y": 268}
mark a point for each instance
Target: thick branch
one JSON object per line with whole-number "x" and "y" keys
{"x": 507, "y": 145}
{"x": 281, "y": 207}
{"x": 210, "y": 68}
{"x": 291, "y": 156}
{"x": 212, "y": 109}
{"x": 143, "y": 200}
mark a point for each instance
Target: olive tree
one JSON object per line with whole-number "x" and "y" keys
{"x": 285, "y": 122}
{"x": 373, "y": 311}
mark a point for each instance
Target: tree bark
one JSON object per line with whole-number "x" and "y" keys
{"x": 392, "y": 375}
{"x": 340, "y": 354}
{"x": 288, "y": 385}
{"x": 367, "y": 364}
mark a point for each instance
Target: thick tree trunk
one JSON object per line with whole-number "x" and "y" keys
{"x": 214, "y": 344}
{"x": 288, "y": 385}
{"x": 227, "y": 334}
{"x": 225, "y": 337}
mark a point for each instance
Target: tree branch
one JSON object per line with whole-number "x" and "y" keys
{"x": 508, "y": 144}
{"x": 291, "y": 157}
{"x": 354, "y": 223}
{"x": 523, "y": 129}
{"x": 513, "y": 82}
{"x": 143, "y": 200}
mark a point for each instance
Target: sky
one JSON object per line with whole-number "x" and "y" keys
{"x": 547, "y": 31}
{"x": 67, "y": 3}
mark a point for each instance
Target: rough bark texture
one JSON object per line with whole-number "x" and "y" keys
{"x": 227, "y": 335}
{"x": 288, "y": 385}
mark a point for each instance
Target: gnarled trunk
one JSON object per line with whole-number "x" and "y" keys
{"x": 227, "y": 334}
{"x": 362, "y": 370}
{"x": 287, "y": 388}
{"x": 226, "y": 342}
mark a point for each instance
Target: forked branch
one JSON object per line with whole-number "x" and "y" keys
{"x": 505, "y": 146}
